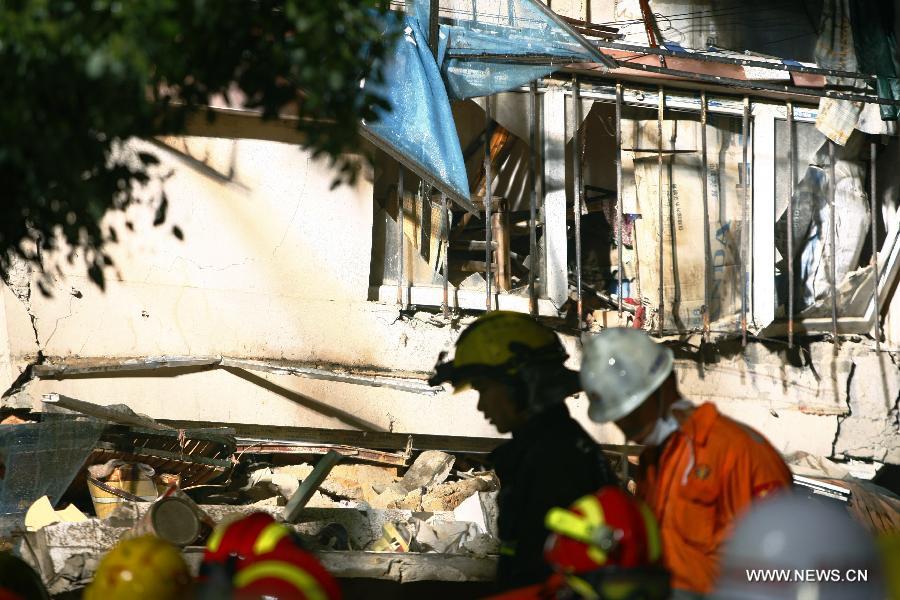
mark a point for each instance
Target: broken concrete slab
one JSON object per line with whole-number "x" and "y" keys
{"x": 448, "y": 496}
{"x": 349, "y": 482}
{"x": 480, "y": 508}
{"x": 67, "y": 553}
{"x": 870, "y": 431}
{"x": 430, "y": 468}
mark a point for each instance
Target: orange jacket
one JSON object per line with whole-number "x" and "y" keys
{"x": 698, "y": 482}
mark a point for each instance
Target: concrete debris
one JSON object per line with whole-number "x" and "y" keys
{"x": 395, "y": 496}
{"x": 808, "y": 465}
{"x": 430, "y": 468}
{"x": 455, "y": 537}
{"x": 284, "y": 484}
{"x": 480, "y": 509}
{"x": 874, "y": 392}
{"x": 448, "y": 496}
{"x": 345, "y": 482}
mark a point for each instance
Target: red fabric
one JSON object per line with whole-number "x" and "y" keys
{"x": 283, "y": 589}
{"x": 238, "y": 541}
{"x": 622, "y": 513}
{"x": 239, "y": 538}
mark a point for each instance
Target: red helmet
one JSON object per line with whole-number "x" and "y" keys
{"x": 605, "y": 529}
{"x": 263, "y": 559}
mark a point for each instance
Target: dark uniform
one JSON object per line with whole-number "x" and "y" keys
{"x": 550, "y": 461}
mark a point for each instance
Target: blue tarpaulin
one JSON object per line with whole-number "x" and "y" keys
{"x": 419, "y": 129}
{"x": 478, "y": 47}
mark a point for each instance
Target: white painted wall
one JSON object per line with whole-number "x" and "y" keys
{"x": 274, "y": 265}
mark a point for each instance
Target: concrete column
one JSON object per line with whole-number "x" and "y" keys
{"x": 762, "y": 256}
{"x": 555, "y": 243}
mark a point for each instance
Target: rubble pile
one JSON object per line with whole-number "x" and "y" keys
{"x": 358, "y": 511}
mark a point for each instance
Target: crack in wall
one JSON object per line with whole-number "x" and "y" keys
{"x": 21, "y": 289}
{"x": 842, "y": 418}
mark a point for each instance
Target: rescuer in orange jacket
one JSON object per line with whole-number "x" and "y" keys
{"x": 700, "y": 470}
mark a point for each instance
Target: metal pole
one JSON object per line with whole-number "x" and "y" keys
{"x": 832, "y": 239}
{"x": 445, "y": 238}
{"x": 401, "y": 221}
{"x": 576, "y": 172}
{"x": 790, "y": 223}
{"x": 619, "y": 195}
{"x": 659, "y": 198}
{"x": 704, "y": 168}
{"x": 433, "y": 27}
{"x": 745, "y": 134}
{"x": 532, "y": 223}
{"x": 873, "y": 226}
{"x": 488, "y": 247}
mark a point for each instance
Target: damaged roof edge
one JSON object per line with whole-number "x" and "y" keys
{"x": 606, "y": 61}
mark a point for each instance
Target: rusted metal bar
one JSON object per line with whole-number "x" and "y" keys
{"x": 790, "y": 223}
{"x": 251, "y": 446}
{"x": 102, "y": 412}
{"x": 500, "y": 236}
{"x": 445, "y": 267}
{"x": 745, "y": 219}
{"x": 532, "y": 221}
{"x": 832, "y": 238}
{"x": 488, "y": 192}
{"x": 748, "y": 86}
{"x": 433, "y": 26}
{"x": 579, "y": 187}
{"x": 401, "y": 222}
{"x": 745, "y": 62}
{"x": 619, "y": 189}
{"x": 873, "y": 227}
{"x": 704, "y": 173}
{"x": 659, "y": 198}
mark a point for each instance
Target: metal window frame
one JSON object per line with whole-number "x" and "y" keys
{"x": 764, "y": 113}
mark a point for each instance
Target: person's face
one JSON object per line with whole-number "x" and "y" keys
{"x": 497, "y": 404}
{"x": 638, "y": 424}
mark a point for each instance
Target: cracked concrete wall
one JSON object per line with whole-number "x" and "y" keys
{"x": 275, "y": 265}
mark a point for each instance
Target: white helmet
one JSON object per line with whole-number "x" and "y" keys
{"x": 620, "y": 368}
{"x": 813, "y": 548}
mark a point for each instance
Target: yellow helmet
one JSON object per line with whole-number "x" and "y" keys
{"x": 142, "y": 567}
{"x": 500, "y": 343}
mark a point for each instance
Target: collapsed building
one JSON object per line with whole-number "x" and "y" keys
{"x": 742, "y": 208}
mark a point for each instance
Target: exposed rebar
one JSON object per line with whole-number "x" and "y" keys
{"x": 619, "y": 195}
{"x": 401, "y": 218}
{"x": 659, "y": 198}
{"x": 576, "y": 176}
{"x": 745, "y": 218}
{"x": 704, "y": 169}
{"x": 873, "y": 226}
{"x": 532, "y": 222}
{"x": 790, "y": 224}
{"x": 488, "y": 192}
{"x": 832, "y": 239}
{"x": 445, "y": 242}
